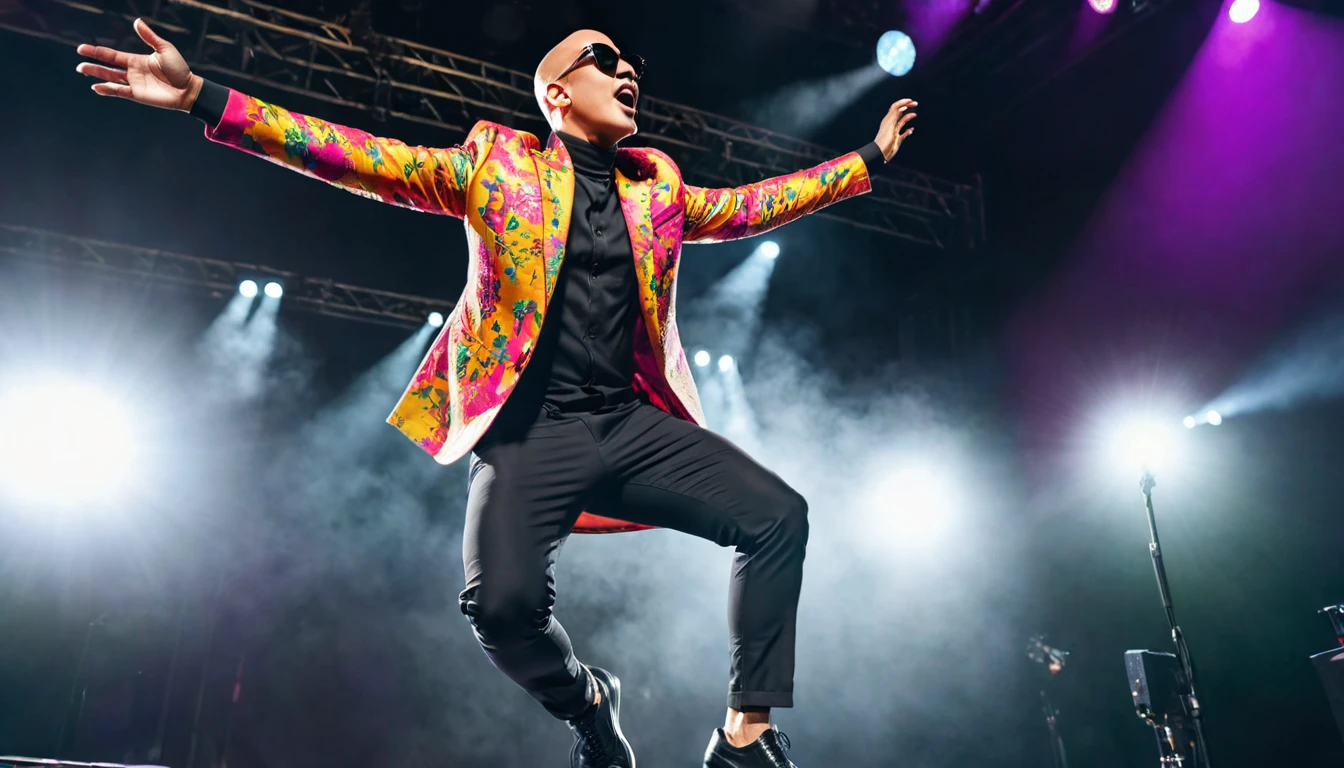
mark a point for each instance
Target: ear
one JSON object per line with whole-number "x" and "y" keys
{"x": 556, "y": 96}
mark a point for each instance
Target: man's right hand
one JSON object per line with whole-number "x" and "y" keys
{"x": 159, "y": 79}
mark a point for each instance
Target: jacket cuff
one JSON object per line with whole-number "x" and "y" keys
{"x": 210, "y": 104}
{"x": 870, "y": 152}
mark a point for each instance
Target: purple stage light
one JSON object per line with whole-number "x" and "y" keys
{"x": 1102, "y": 6}
{"x": 1243, "y": 11}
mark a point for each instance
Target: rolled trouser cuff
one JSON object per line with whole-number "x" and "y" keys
{"x": 740, "y": 700}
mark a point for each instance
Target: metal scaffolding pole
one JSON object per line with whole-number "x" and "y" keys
{"x": 392, "y": 77}
{"x": 130, "y": 263}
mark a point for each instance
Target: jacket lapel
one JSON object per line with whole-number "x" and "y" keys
{"x": 635, "y": 206}
{"x": 555, "y": 174}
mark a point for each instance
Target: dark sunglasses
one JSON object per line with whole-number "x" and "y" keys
{"x": 606, "y": 59}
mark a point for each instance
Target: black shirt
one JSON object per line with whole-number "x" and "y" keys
{"x": 587, "y": 339}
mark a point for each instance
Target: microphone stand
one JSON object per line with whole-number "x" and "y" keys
{"x": 1188, "y": 699}
{"x": 1059, "y": 757}
{"x": 1054, "y": 660}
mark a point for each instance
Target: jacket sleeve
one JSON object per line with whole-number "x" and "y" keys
{"x": 730, "y": 213}
{"x": 422, "y": 178}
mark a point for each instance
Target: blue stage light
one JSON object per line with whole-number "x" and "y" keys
{"x": 896, "y": 53}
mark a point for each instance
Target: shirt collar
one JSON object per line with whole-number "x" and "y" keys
{"x": 589, "y": 159}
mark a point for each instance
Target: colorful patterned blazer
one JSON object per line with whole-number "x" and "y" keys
{"x": 514, "y": 197}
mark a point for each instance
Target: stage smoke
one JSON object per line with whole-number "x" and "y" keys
{"x": 362, "y": 540}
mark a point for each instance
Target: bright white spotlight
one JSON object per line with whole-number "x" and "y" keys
{"x": 64, "y": 457}
{"x": 896, "y": 53}
{"x": 1144, "y": 445}
{"x": 917, "y": 502}
{"x": 274, "y": 290}
{"x": 770, "y": 249}
{"x": 436, "y": 319}
{"x": 1215, "y": 418}
{"x": 1243, "y": 11}
{"x": 1189, "y": 422}
{"x": 248, "y": 288}
{"x": 726, "y": 363}
{"x": 702, "y": 357}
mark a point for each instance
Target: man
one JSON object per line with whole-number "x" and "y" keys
{"x": 560, "y": 368}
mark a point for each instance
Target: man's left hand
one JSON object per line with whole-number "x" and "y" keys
{"x": 894, "y": 131}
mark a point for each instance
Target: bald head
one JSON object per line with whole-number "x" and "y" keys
{"x": 584, "y": 102}
{"x": 558, "y": 58}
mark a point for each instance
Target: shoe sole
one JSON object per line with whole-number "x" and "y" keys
{"x": 614, "y": 690}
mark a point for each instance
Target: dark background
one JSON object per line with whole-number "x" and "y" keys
{"x": 1252, "y": 539}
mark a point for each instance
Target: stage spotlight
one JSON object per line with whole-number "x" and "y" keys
{"x": 896, "y": 52}
{"x": 1215, "y": 418}
{"x": 248, "y": 288}
{"x": 274, "y": 290}
{"x": 1144, "y": 445}
{"x": 702, "y": 357}
{"x": 770, "y": 249}
{"x": 1243, "y": 11}
{"x": 726, "y": 363}
{"x": 76, "y": 457}
{"x": 927, "y": 490}
{"x": 917, "y": 503}
{"x": 1189, "y": 422}
{"x": 1102, "y": 6}
{"x": 436, "y": 319}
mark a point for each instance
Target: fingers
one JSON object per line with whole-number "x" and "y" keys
{"x": 106, "y": 73}
{"x": 905, "y": 135}
{"x": 150, "y": 37}
{"x": 903, "y": 105}
{"x": 906, "y": 118}
{"x": 106, "y": 55}
{"x": 112, "y": 89}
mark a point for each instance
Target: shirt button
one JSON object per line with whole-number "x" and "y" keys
{"x": 598, "y": 232}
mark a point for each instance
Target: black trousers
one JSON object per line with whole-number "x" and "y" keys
{"x": 634, "y": 462}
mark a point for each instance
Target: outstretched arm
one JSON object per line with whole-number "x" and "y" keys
{"x": 730, "y": 213}
{"x": 426, "y": 179}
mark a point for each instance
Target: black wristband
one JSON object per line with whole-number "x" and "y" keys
{"x": 872, "y": 157}
{"x": 210, "y": 103}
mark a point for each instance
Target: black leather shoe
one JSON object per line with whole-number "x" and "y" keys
{"x": 765, "y": 752}
{"x": 598, "y": 741}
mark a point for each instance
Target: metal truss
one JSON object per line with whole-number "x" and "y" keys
{"x": 129, "y": 263}
{"x": 396, "y": 78}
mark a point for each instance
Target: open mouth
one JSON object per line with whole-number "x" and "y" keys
{"x": 627, "y": 97}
